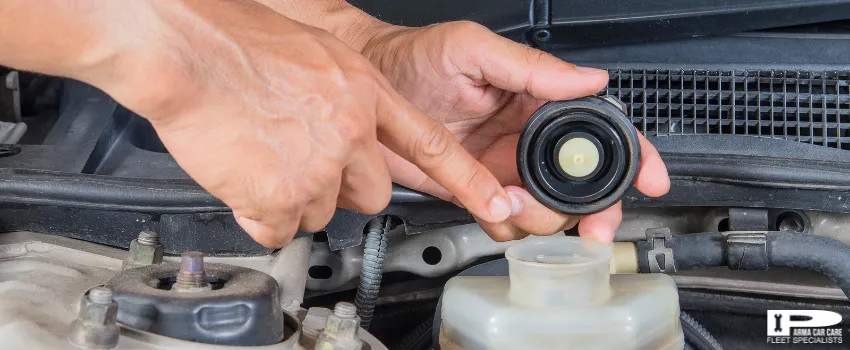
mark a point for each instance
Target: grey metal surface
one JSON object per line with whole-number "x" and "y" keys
{"x": 457, "y": 247}
{"x": 11, "y": 133}
{"x": 43, "y": 277}
{"x": 291, "y": 272}
{"x": 461, "y": 245}
{"x": 13, "y": 83}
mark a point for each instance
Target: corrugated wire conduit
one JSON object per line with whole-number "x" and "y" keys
{"x": 375, "y": 249}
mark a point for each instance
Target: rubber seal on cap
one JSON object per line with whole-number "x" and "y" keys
{"x": 620, "y": 158}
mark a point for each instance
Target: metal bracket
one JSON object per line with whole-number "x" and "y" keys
{"x": 748, "y": 219}
{"x": 13, "y": 83}
{"x": 746, "y": 250}
{"x": 659, "y": 238}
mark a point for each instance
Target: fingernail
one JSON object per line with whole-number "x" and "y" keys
{"x": 500, "y": 209}
{"x": 516, "y": 204}
{"x": 589, "y": 70}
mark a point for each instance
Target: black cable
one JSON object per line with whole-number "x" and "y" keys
{"x": 372, "y": 270}
{"x": 696, "y": 335}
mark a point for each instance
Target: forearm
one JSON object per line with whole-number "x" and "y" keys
{"x": 343, "y": 20}
{"x": 63, "y": 37}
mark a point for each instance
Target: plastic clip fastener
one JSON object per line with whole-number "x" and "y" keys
{"x": 660, "y": 258}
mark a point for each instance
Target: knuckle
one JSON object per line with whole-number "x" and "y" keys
{"x": 312, "y": 225}
{"x": 277, "y": 204}
{"x": 318, "y": 219}
{"x": 269, "y": 242}
{"x": 272, "y": 236}
{"x": 362, "y": 71}
{"x": 571, "y": 223}
{"x": 467, "y": 26}
{"x": 352, "y": 128}
{"x": 473, "y": 177}
{"x": 534, "y": 56}
{"x": 502, "y": 236}
{"x": 375, "y": 204}
{"x": 433, "y": 146}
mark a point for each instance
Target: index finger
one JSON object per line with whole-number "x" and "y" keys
{"x": 433, "y": 148}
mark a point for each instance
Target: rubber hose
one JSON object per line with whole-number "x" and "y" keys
{"x": 689, "y": 251}
{"x": 696, "y": 335}
{"x": 373, "y": 267}
{"x": 688, "y": 347}
{"x": 827, "y": 256}
{"x": 418, "y": 339}
{"x": 823, "y": 255}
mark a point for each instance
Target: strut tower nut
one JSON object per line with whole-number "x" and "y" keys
{"x": 96, "y": 326}
{"x": 191, "y": 277}
{"x": 144, "y": 250}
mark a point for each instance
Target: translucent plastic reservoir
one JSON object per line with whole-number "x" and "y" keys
{"x": 560, "y": 295}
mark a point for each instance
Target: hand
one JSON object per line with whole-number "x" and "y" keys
{"x": 484, "y": 88}
{"x": 280, "y": 120}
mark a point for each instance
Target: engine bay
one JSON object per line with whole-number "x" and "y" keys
{"x": 109, "y": 243}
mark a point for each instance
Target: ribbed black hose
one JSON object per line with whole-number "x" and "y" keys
{"x": 696, "y": 335}
{"x": 373, "y": 267}
{"x": 419, "y": 338}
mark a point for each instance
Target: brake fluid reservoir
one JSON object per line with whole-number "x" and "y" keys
{"x": 560, "y": 295}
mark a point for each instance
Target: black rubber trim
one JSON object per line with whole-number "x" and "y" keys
{"x": 41, "y": 187}
{"x": 760, "y": 171}
{"x": 85, "y": 191}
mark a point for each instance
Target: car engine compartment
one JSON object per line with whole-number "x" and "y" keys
{"x": 749, "y": 106}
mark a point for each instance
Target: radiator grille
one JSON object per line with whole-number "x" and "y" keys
{"x": 810, "y": 107}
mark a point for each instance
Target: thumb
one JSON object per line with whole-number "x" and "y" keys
{"x": 514, "y": 67}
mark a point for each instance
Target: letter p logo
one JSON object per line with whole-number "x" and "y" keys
{"x": 780, "y": 322}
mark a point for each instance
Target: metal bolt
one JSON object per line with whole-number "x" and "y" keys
{"x": 148, "y": 238}
{"x": 96, "y": 326}
{"x": 144, "y": 250}
{"x": 100, "y": 295}
{"x": 191, "y": 277}
{"x": 341, "y": 329}
{"x": 345, "y": 310}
